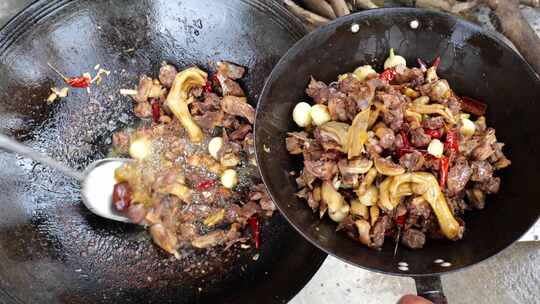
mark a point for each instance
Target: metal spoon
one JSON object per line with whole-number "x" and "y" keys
{"x": 97, "y": 181}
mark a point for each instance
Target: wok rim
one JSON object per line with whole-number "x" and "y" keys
{"x": 357, "y": 17}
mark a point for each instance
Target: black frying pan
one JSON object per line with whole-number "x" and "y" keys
{"x": 52, "y": 250}
{"x": 477, "y": 64}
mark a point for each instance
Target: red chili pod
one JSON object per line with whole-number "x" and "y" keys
{"x": 156, "y": 110}
{"x": 255, "y": 230}
{"x": 122, "y": 193}
{"x": 443, "y": 171}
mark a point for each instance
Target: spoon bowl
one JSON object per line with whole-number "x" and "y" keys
{"x": 97, "y": 181}
{"x": 97, "y": 188}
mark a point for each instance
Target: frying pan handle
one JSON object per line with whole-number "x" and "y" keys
{"x": 430, "y": 287}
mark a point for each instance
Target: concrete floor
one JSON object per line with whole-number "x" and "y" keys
{"x": 512, "y": 277}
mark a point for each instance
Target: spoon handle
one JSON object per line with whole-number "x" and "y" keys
{"x": 14, "y": 146}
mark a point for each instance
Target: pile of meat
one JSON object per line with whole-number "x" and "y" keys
{"x": 396, "y": 154}
{"x": 193, "y": 179}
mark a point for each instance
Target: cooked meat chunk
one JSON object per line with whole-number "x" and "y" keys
{"x": 413, "y": 161}
{"x": 143, "y": 89}
{"x": 230, "y": 70}
{"x": 341, "y": 108}
{"x": 458, "y": 176}
{"x": 419, "y": 138}
{"x": 241, "y": 132}
{"x": 476, "y": 198}
{"x": 485, "y": 149}
{"x": 415, "y": 76}
{"x": 457, "y": 205}
{"x": 294, "y": 145}
{"x": 319, "y": 91}
{"x": 167, "y": 73}
{"x": 413, "y": 238}
{"x": 209, "y": 120}
{"x": 239, "y": 107}
{"x": 481, "y": 171}
{"x": 433, "y": 123}
{"x": 230, "y": 121}
{"x": 230, "y": 87}
{"x": 324, "y": 170}
{"x": 491, "y": 185}
{"x": 248, "y": 145}
{"x": 378, "y": 231}
{"x": 360, "y": 92}
{"x": 211, "y": 102}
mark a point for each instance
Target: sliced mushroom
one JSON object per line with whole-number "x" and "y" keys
{"x": 363, "y": 231}
{"x": 385, "y": 166}
{"x": 359, "y": 209}
{"x": 374, "y": 214}
{"x": 357, "y": 134}
{"x": 434, "y": 109}
{"x": 367, "y": 181}
{"x": 337, "y": 131}
{"x": 164, "y": 238}
{"x": 178, "y": 99}
{"x": 338, "y": 209}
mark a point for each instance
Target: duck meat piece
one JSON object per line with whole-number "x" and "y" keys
{"x": 241, "y": 132}
{"x": 295, "y": 142}
{"x": 230, "y": 122}
{"x": 476, "y": 198}
{"x": 433, "y": 123}
{"x": 238, "y": 106}
{"x": 229, "y": 86}
{"x": 319, "y": 91}
{"x": 458, "y": 176}
{"x": 211, "y": 102}
{"x": 167, "y": 73}
{"x": 230, "y": 70}
{"x": 457, "y": 205}
{"x": 415, "y": 76}
{"x": 312, "y": 150}
{"x": 324, "y": 170}
{"x": 419, "y": 138}
{"x": 413, "y": 161}
{"x": 209, "y": 120}
{"x": 491, "y": 185}
{"x": 378, "y": 231}
{"x": 248, "y": 210}
{"x": 305, "y": 179}
{"x": 359, "y": 92}
{"x": 413, "y": 238}
{"x": 341, "y": 108}
{"x": 485, "y": 149}
{"x": 481, "y": 171}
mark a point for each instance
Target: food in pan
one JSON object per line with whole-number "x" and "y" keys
{"x": 193, "y": 179}
{"x": 394, "y": 154}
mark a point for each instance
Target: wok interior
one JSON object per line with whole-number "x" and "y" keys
{"x": 52, "y": 245}
{"x": 475, "y": 64}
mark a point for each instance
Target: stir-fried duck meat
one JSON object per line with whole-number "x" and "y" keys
{"x": 191, "y": 187}
{"x": 395, "y": 152}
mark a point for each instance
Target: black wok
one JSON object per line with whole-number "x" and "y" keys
{"x": 52, "y": 250}
{"x": 477, "y": 64}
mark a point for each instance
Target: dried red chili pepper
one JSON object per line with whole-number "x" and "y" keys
{"x": 79, "y": 82}
{"x": 388, "y": 75}
{"x": 156, "y": 111}
{"x": 206, "y": 184}
{"x": 255, "y": 230}
{"x": 433, "y": 133}
{"x": 473, "y": 106}
{"x": 122, "y": 196}
{"x": 83, "y": 81}
{"x": 452, "y": 141}
{"x": 436, "y": 62}
{"x": 406, "y": 146}
{"x": 443, "y": 171}
{"x": 208, "y": 87}
{"x": 400, "y": 220}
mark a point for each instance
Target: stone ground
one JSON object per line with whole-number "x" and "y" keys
{"x": 511, "y": 277}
